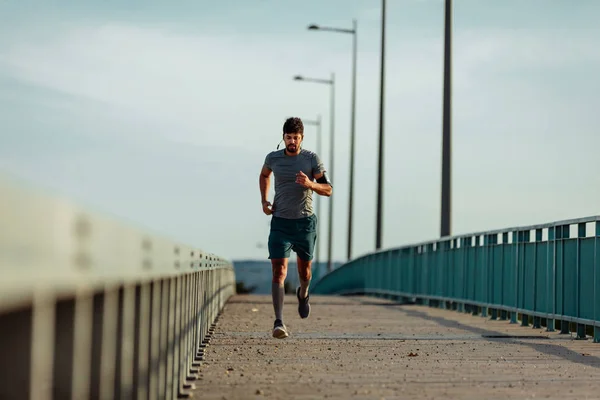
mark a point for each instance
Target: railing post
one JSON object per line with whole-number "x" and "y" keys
{"x": 448, "y": 274}
{"x": 164, "y": 340}
{"x": 564, "y": 233}
{"x": 473, "y": 248}
{"x": 515, "y": 250}
{"x": 426, "y": 290}
{"x": 390, "y": 274}
{"x": 185, "y": 365}
{"x": 141, "y": 340}
{"x": 580, "y": 236}
{"x": 522, "y": 288}
{"x": 464, "y": 305}
{"x": 125, "y": 343}
{"x": 485, "y": 273}
{"x": 155, "y": 343}
{"x": 16, "y": 347}
{"x": 505, "y": 244}
{"x": 472, "y": 264}
{"x": 492, "y": 245}
{"x": 537, "y": 322}
{"x": 597, "y": 282}
{"x": 551, "y": 277}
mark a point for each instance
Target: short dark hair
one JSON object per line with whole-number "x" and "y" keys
{"x": 293, "y": 125}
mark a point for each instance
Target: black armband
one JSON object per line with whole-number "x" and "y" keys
{"x": 324, "y": 179}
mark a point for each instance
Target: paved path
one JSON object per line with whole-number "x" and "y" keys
{"x": 365, "y": 348}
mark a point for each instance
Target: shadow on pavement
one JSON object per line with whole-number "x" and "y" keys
{"x": 547, "y": 348}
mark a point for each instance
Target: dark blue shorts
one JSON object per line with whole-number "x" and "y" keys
{"x": 299, "y": 235}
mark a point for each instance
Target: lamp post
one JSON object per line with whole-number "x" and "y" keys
{"x": 352, "y": 120}
{"x": 445, "y": 225}
{"x": 381, "y": 108}
{"x": 317, "y": 123}
{"x": 330, "y": 82}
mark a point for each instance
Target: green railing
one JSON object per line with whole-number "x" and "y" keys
{"x": 548, "y": 275}
{"x": 91, "y": 308}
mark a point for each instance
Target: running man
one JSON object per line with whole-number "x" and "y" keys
{"x": 298, "y": 173}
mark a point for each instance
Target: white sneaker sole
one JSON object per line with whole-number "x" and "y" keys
{"x": 279, "y": 333}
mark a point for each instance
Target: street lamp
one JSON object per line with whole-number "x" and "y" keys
{"x": 352, "y": 31}
{"x": 317, "y": 123}
{"x": 330, "y": 82}
{"x": 381, "y": 107}
{"x": 445, "y": 225}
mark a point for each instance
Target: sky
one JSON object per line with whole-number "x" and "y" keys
{"x": 160, "y": 114}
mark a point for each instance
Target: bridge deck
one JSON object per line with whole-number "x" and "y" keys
{"x": 354, "y": 348}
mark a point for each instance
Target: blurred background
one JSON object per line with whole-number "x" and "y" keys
{"x": 161, "y": 114}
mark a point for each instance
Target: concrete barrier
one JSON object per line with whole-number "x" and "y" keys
{"x": 91, "y": 308}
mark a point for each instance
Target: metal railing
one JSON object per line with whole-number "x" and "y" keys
{"x": 545, "y": 274}
{"x": 93, "y": 309}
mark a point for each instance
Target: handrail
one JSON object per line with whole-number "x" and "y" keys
{"x": 547, "y": 272}
{"x": 93, "y": 308}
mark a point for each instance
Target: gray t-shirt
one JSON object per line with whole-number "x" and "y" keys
{"x": 293, "y": 200}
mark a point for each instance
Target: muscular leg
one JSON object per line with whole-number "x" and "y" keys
{"x": 304, "y": 276}
{"x": 279, "y": 266}
{"x": 304, "y": 245}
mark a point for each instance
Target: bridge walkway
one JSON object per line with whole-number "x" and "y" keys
{"x": 369, "y": 348}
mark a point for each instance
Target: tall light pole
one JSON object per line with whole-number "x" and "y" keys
{"x": 445, "y": 225}
{"x": 331, "y": 169}
{"x": 317, "y": 123}
{"x": 352, "y": 31}
{"x": 381, "y": 121}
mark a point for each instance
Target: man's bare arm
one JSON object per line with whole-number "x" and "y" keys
{"x": 264, "y": 182}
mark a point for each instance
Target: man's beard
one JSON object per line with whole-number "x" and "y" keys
{"x": 292, "y": 148}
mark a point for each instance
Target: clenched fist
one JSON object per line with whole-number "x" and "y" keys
{"x": 303, "y": 180}
{"x": 267, "y": 207}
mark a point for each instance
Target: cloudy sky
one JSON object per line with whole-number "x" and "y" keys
{"x": 161, "y": 113}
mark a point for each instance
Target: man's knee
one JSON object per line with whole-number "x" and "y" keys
{"x": 304, "y": 269}
{"x": 279, "y": 270}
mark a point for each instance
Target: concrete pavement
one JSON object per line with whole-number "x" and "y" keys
{"x": 366, "y": 348}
